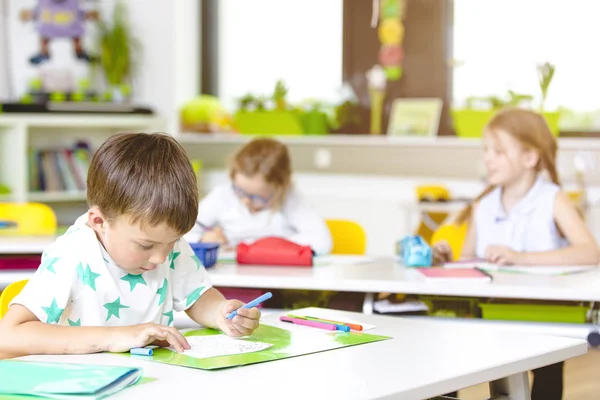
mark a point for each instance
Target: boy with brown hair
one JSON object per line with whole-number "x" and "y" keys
{"x": 114, "y": 279}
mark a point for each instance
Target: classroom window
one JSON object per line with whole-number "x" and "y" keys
{"x": 261, "y": 41}
{"x": 498, "y": 44}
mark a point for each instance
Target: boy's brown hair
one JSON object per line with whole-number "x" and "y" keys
{"x": 268, "y": 158}
{"x": 146, "y": 176}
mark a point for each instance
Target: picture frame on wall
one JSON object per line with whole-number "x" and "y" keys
{"x": 419, "y": 117}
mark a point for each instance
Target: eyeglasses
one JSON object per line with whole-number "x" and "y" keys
{"x": 254, "y": 198}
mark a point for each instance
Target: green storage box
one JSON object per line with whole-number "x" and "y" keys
{"x": 470, "y": 123}
{"x": 268, "y": 123}
{"x": 275, "y": 122}
{"x": 534, "y": 312}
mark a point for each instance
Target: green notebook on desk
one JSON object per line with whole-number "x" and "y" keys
{"x": 63, "y": 381}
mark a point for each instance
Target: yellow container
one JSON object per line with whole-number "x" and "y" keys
{"x": 470, "y": 123}
{"x": 33, "y": 219}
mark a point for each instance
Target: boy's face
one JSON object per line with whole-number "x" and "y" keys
{"x": 136, "y": 248}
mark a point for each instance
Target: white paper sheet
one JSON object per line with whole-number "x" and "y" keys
{"x": 220, "y": 345}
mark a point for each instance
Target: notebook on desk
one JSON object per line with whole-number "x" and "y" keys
{"x": 540, "y": 270}
{"x": 439, "y": 274}
{"x": 64, "y": 381}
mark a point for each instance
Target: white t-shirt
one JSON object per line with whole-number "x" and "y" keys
{"x": 77, "y": 284}
{"x": 295, "y": 220}
{"x": 528, "y": 227}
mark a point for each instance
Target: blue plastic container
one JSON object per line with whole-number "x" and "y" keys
{"x": 206, "y": 252}
{"x": 413, "y": 251}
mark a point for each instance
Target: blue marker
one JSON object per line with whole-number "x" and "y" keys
{"x": 253, "y": 303}
{"x": 141, "y": 351}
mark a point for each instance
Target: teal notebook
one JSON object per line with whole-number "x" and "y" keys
{"x": 64, "y": 381}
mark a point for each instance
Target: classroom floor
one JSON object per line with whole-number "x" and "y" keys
{"x": 581, "y": 380}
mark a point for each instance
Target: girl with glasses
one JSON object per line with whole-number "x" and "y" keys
{"x": 260, "y": 201}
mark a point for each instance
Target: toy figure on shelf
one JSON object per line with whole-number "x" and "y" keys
{"x": 56, "y": 19}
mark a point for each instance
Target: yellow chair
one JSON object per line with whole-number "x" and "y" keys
{"x": 348, "y": 237}
{"x": 10, "y": 293}
{"x": 33, "y": 219}
{"x": 454, "y": 235}
{"x": 431, "y": 220}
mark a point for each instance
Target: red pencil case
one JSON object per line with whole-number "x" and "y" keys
{"x": 274, "y": 251}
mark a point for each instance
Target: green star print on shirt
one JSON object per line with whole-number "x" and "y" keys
{"x": 162, "y": 292}
{"x": 48, "y": 264}
{"x": 170, "y": 316}
{"x": 87, "y": 276}
{"x": 114, "y": 308}
{"x": 192, "y": 297}
{"x": 197, "y": 261}
{"x": 133, "y": 280}
{"x": 172, "y": 258}
{"x": 53, "y": 312}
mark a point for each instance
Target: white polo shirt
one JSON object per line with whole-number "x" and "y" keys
{"x": 528, "y": 227}
{"x": 295, "y": 220}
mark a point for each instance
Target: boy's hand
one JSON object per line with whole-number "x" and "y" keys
{"x": 442, "y": 253}
{"x": 243, "y": 324}
{"x": 502, "y": 255}
{"x": 128, "y": 337}
{"x": 215, "y": 235}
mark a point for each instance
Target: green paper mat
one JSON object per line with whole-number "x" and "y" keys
{"x": 284, "y": 344}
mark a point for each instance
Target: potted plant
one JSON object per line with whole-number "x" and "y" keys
{"x": 471, "y": 120}
{"x": 119, "y": 50}
{"x": 267, "y": 115}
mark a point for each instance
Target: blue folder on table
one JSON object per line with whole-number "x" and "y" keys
{"x": 63, "y": 381}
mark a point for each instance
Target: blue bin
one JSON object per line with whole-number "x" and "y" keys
{"x": 206, "y": 252}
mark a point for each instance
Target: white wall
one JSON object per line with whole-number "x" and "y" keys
{"x": 261, "y": 41}
{"x": 3, "y": 55}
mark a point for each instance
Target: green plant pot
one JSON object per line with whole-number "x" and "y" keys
{"x": 268, "y": 123}
{"x": 470, "y": 123}
{"x": 314, "y": 122}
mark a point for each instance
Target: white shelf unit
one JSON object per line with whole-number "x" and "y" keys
{"x": 21, "y": 132}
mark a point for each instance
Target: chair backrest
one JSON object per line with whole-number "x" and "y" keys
{"x": 454, "y": 235}
{"x": 10, "y": 293}
{"x": 348, "y": 237}
{"x": 31, "y": 218}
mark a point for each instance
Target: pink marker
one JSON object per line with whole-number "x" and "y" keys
{"x": 314, "y": 324}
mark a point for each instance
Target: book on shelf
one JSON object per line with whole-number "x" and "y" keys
{"x": 59, "y": 169}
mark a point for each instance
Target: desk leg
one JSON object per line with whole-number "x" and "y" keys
{"x": 514, "y": 387}
{"x": 368, "y": 303}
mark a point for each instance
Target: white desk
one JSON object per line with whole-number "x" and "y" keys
{"x": 386, "y": 275}
{"x": 425, "y": 359}
{"x": 25, "y": 244}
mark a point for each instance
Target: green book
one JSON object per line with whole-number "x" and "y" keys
{"x": 64, "y": 381}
